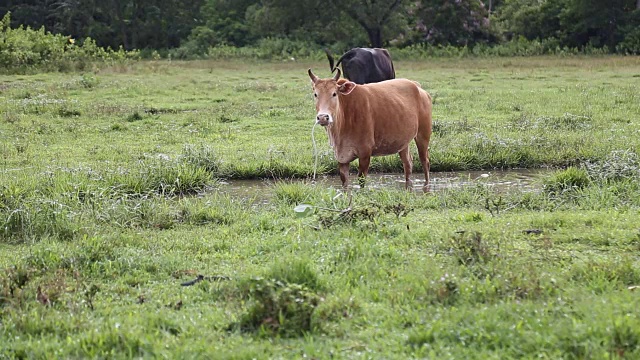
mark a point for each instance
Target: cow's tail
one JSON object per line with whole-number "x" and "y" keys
{"x": 348, "y": 54}
{"x": 393, "y": 70}
{"x": 330, "y": 58}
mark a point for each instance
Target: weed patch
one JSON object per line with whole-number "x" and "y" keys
{"x": 134, "y": 117}
{"x": 470, "y": 249}
{"x": 283, "y": 302}
{"x": 217, "y": 210}
{"x": 606, "y": 276}
{"x": 279, "y": 309}
{"x": 617, "y": 165}
{"x": 448, "y": 128}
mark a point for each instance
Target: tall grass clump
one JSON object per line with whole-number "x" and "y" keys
{"x": 471, "y": 249}
{"x": 203, "y": 156}
{"x": 219, "y": 209}
{"x": 39, "y": 218}
{"x": 29, "y": 212}
{"x": 292, "y": 193}
{"x": 603, "y": 276}
{"x": 297, "y": 271}
{"x": 565, "y": 180}
{"x": 168, "y": 178}
{"x": 136, "y": 211}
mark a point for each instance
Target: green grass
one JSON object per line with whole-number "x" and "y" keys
{"x": 110, "y": 200}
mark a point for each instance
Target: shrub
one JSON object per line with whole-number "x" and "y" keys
{"x": 25, "y": 50}
{"x": 631, "y": 43}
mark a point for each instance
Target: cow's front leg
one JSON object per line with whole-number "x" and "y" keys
{"x": 363, "y": 169}
{"x": 343, "y": 168}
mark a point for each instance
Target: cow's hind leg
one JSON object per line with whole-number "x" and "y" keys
{"x": 423, "y": 151}
{"x": 343, "y": 168}
{"x": 407, "y": 165}
{"x": 363, "y": 169}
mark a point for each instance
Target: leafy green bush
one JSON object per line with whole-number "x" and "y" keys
{"x": 203, "y": 45}
{"x": 286, "y": 49}
{"x": 25, "y": 50}
{"x": 631, "y": 42}
{"x": 283, "y": 48}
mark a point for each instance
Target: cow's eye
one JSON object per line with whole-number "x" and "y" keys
{"x": 334, "y": 94}
{"x": 315, "y": 95}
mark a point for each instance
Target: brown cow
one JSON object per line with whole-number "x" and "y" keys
{"x": 373, "y": 120}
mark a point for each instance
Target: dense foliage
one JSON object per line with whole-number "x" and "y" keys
{"x": 196, "y": 26}
{"x": 23, "y": 49}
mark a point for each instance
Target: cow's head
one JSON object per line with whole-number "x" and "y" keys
{"x": 327, "y": 93}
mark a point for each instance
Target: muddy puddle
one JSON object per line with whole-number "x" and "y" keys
{"x": 500, "y": 180}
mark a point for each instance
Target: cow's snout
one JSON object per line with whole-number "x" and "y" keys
{"x": 323, "y": 119}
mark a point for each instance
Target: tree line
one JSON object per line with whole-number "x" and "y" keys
{"x": 197, "y": 25}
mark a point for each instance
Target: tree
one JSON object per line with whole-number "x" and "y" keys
{"x": 451, "y": 22}
{"x": 531, "y": 18}
{"x": 371, "y": 15}
{"x": 594, "y": 22}
{"x": 304, "y": 20}
{"x": 224, "y": 22}
{"x": 574, "y": 23}
{"x": 30, "y": 13}
{"x": 128, "y": 23}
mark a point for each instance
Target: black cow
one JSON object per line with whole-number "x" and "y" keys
{"x": 364, "y": 65}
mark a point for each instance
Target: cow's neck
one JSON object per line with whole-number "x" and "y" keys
{"x": 334, "y": 130}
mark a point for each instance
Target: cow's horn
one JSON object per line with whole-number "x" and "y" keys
{"x": 337, "y": 76}
{"x": 312, "y": 76}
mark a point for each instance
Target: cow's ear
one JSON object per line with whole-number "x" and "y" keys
{"x": 347, "y": 88}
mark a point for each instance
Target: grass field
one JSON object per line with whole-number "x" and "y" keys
{"x": 110, "y": 200}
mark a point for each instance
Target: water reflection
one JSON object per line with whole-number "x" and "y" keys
{"x": 500, "y": 180}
